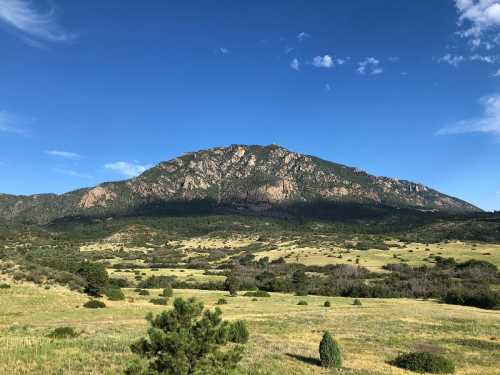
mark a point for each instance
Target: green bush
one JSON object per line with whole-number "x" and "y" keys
{"x": 221, "y": 301}
{"x": 115, "y": 294}
{"x": 63, "y": 333}
{"x": 329, "y": 352}
{"x": 144, "y": 292}
{"x": 4, "y": 286}
{"x": 424, "y": 362}
{"x": 327, "y": 304}
{"x": 159, "y": 301}
{"x": 302, "y": 303}
{"x": 238, "y": 332}
{"x": 167, "y": 292}
{"x": 94, "y": 304}
{"x": 476, "y": 297}
{"x": 185, "y": 340}
{"x": 258, "y": 293}
{"x": 357, "y": 302}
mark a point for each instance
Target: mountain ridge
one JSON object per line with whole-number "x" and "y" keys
{"x": 258, "y": 177}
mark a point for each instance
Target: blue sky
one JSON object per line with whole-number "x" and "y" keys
{"x": 94, "y": 91}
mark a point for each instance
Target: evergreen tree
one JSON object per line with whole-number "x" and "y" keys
{"x": 185, "y": 341}
{"x": 329, "y": 352}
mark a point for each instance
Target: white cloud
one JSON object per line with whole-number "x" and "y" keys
{"x": 23, "y": 16}
{"x": 10, "y": 123}
{"x": 483, "y": 58}
{"x": 328, "y": 87}
{"x": 489, "y": 122}
{"x": 341, "y": 61}
{"x": 64, "y": 154}
{"x": 370, "y": 66}
{"x": 224, "y": 51}
{"x": 303, "y": 36}
{"x": 295, "y": 64}
{"x": 497, "y": 73}
{"x": 480, "y": 20}
{"x": 323, "y": 62}
{"x": 72, "y": 173}
{"x": 453, "y": 60}
{"x": 127, "y": 169}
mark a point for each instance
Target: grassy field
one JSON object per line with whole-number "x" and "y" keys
{"x": 181, "y": 274}
{"x": 284, "y": 336}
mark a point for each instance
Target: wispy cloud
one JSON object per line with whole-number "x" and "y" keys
{"x": 488, "y": 122}
{"x": 295, "y": 64}
{"x": 72, "y": 173}
{"x": 479, "y": 20}
{"x": 64, "y": 154}
{"x": 323, "y": 62}
{"x": 456, "y": 60}
{"x": 453, "y": 60}
{"x": 14, "y": 124}
{"x": 223, "y": 50}
{"x": 303, "y": 36}
{"x": 24, "y": 17}
{"x": 328, "y": 87}
{"x": 369, "y": 66}
{"x": 127, "y": 169}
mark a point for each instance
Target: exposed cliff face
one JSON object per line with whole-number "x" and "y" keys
{"x": 256, "y": 175}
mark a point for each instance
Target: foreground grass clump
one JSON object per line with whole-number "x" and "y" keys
{"x": 185, "y": 340}
{"x": 222, "y": 301}
{"x": 238, "y": 332}
{"x": 4, "y": 286}
{"x": 63, "y": 333}
{"x": 94, "y": 304}
{"x": 423, "y": 362}
{"x": 302, "y": 303}
{"x": 357, "y": 302}
{"x": 329, "y": 352}
{"x": 327, "y": 304}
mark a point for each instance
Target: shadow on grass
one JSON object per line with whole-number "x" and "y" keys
{"x": 307, "y": 360}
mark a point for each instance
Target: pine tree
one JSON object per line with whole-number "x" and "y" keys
{"x": 329, "y": 352}
{"x": 186, "y": 340}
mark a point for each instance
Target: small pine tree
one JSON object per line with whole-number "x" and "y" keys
{"x": 185, "y": 340}
{"x": 329, "y": 352}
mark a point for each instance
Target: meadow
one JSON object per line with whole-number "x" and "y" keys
{"x": 284, "y": 336}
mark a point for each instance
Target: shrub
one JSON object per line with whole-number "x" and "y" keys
{"x": 327, "y": 304}
{"x": 185, "y": 340}
{"x": 167, "y": 292}
{"x": 357, "y": 302}
{"x": 63, "y": 333}
{"x": 238, "y": 332}
{"x": 258, "y": 293}
{"x": 94, "y": 304}
{"x": 302, "y": 303}
{"x": 4, "y": 286}
{"x": 159, "y": 301}
{"x": 144, "y": 292}
{"x": 329, "y": 352}
{"x": 221, "y": 301}
{"x": 424, "y": 362}
{"x": 115, "y": 294}
{"x": 482, "y": 298}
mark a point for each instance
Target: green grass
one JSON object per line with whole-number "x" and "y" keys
{"x": 284, "y": 337}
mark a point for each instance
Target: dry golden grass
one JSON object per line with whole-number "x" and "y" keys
{"x": 284, "y": 336}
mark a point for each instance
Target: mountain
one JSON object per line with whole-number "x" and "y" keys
{"x": 239, "y": 176}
